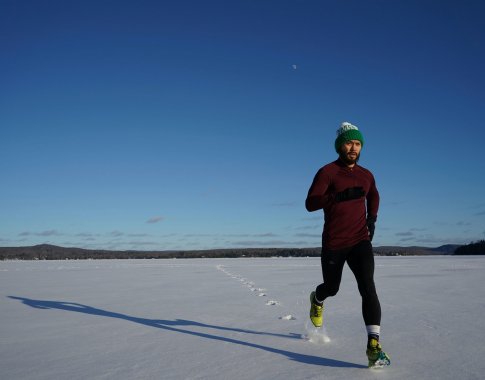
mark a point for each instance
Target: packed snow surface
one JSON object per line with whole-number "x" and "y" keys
{"x": 236, "y": 319}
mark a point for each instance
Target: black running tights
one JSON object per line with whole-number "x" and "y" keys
{"x": 360, "y": 259}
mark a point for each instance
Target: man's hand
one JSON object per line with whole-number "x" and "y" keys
{"x": 371, "y": 226}
{"x": 350, "y": 193}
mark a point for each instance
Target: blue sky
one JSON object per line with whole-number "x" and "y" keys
{"x": 158, "y": 125}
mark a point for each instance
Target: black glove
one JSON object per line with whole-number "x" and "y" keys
{"x": 349, "y": 194}
{"x": 371, "y": 226}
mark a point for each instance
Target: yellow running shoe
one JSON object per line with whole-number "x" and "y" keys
{"x": 377, "y": 357}
{"x": 316, "y": 311}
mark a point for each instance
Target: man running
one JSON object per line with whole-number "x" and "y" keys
{"x": 349, "y": 198}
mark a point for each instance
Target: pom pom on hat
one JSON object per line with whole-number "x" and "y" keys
{"x": 347, "y": 132}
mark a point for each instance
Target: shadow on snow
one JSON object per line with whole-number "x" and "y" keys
{"x": 179, "y": 325}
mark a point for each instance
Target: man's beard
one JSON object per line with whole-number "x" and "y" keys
{"x": 349, "y": 160}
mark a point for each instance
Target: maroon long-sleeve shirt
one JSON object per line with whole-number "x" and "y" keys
{"x": 345, "y": 221}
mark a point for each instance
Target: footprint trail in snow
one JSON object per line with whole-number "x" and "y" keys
{"x": 313, "y": 334}
{"x": 260, "y": 292}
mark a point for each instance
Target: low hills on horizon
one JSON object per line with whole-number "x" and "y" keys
{"x": 53, "y": 252}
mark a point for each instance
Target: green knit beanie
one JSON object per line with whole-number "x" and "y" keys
{"x": 347, "y": 132}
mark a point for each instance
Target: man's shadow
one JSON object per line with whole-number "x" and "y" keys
{"x": 179, "y": 325}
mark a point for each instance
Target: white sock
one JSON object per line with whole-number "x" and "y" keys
{"x": 317, "y": 300}
{"x": 373, "y": 330}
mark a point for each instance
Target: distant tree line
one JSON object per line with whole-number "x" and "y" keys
{"x": 477, "y": 248}
{"x": 51, "y": 252}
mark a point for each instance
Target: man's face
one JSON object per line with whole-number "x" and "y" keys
{"x": 350, "y": 151}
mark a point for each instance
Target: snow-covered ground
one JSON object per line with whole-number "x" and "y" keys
{"x": 236, "y": 319}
